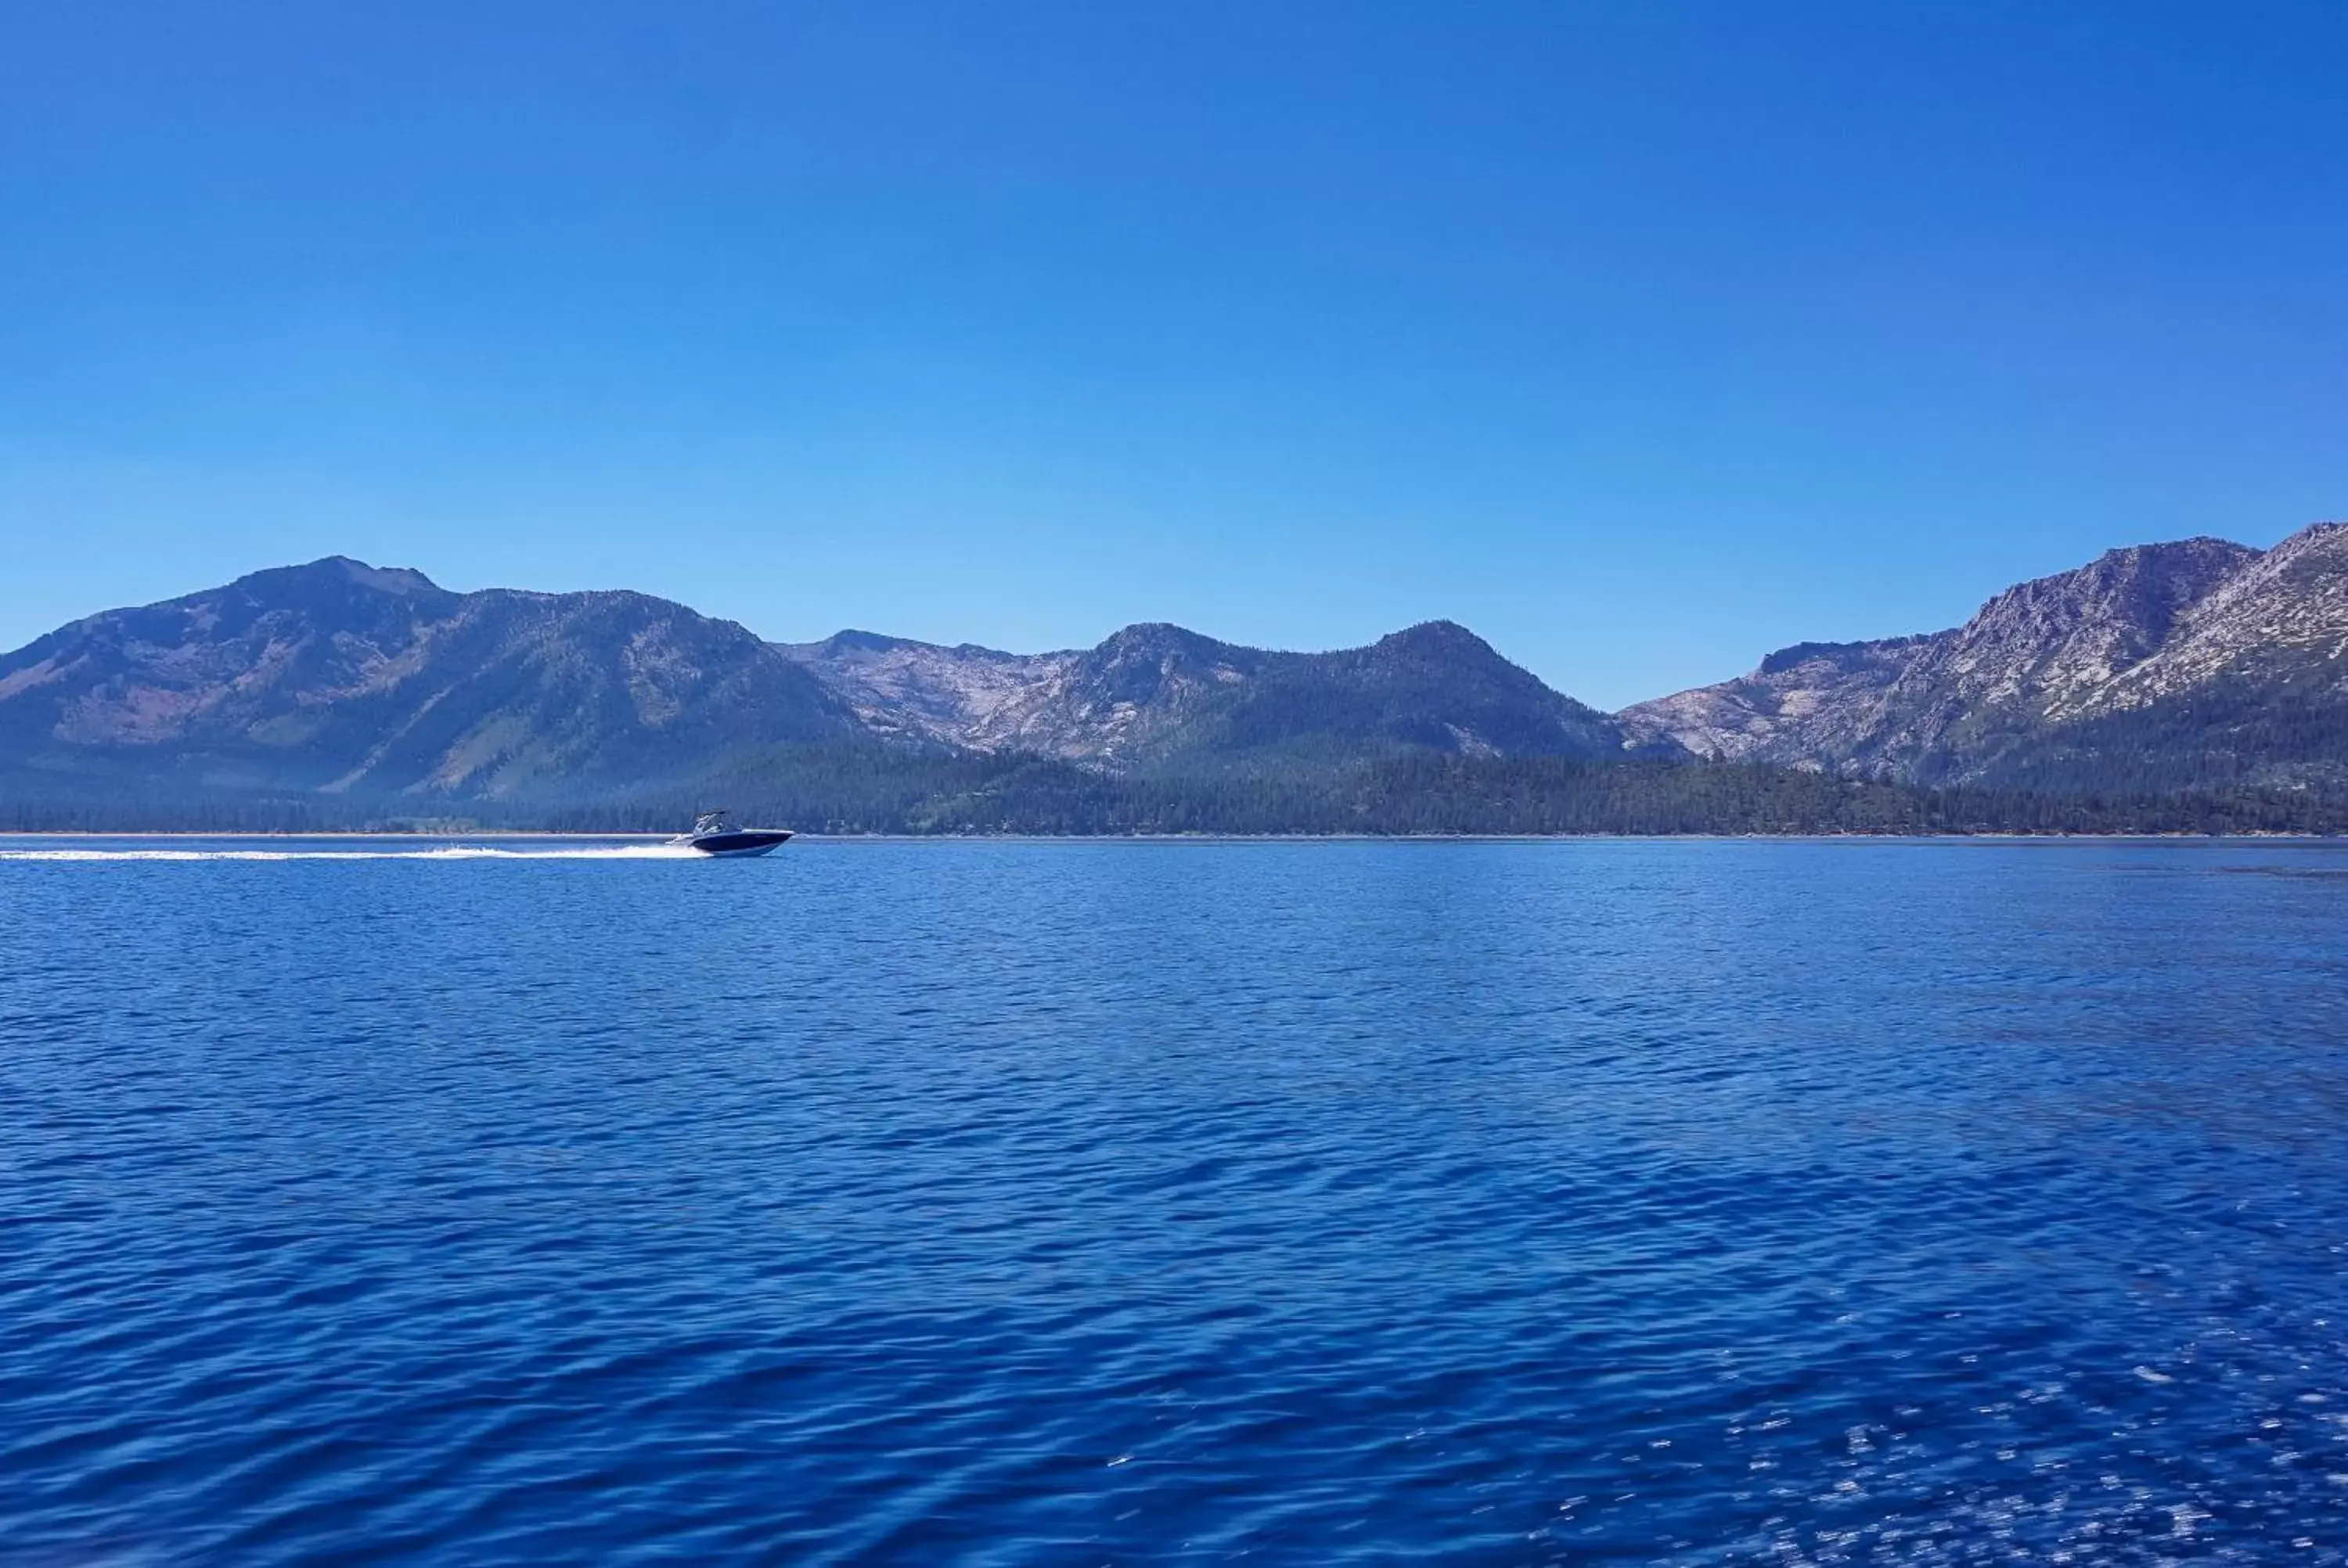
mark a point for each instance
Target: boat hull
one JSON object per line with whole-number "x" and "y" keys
{"x": 736, "y": 845}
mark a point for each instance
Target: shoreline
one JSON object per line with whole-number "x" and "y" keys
{"x": 1210, "y": 839}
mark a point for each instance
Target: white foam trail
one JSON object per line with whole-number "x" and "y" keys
{"x": 443, "y": 852}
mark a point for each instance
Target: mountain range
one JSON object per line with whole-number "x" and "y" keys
{"x": 1155, "y": 696}
{"x": 2163, "y": 666}
{"x": 2191, "y": 665}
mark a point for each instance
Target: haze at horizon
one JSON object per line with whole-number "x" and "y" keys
{"x": 1639, "y": 340}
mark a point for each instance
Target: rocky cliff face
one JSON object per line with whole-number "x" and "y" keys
{"x": 2134, "y": 629}
{"x": 342, "y": 677}
{"x": 2280, "y": 619}
{"x": 1804, "y": 705}
{"x": 970, "y": 697}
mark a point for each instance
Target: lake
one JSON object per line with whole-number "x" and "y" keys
{"x": 1082, "y": 1202}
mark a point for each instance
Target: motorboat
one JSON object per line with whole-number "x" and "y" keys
{"x": 714, "y": 833}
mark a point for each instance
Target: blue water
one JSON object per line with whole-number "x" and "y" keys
{"x": 1001, "y": 1203}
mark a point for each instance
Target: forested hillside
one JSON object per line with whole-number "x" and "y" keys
{"x": 864, "y": 789}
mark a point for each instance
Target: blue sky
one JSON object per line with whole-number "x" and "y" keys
{"x": 1643, "y": 337}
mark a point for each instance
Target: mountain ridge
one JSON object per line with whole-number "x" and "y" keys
{"x": 2028, "y": 675}
{"x": 1149, "y": 691}
{"x": 2191, "y": 664}
{"x": 338, "y": 677}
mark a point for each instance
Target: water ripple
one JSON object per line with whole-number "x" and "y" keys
{"x": 1011, "y": 1203}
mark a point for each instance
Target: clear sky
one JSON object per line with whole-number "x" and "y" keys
{"x": 1643, "y": 337}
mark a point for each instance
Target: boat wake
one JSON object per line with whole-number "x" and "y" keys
{"x": 440, "y": 852}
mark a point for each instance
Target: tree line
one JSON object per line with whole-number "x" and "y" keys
{"x": 858, "y": 788}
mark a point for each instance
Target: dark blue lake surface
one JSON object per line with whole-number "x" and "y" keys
{"x": 1001, "y": 1203}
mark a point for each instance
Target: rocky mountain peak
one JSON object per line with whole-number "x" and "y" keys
{"x": 334, "y": 574}
{"x": 2046, "y": 645}
{"x": 2145, "y": 584}
{"x": 1151, "y": 664}
{"x": 1437, "y": 640}
{"x": 1843, "y": 656}
{"x": 2280, "y": 622}
{"x": 2320, "y": 548}
{"x": 849, "y": 641}
{"x": 1157, "y": 640}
